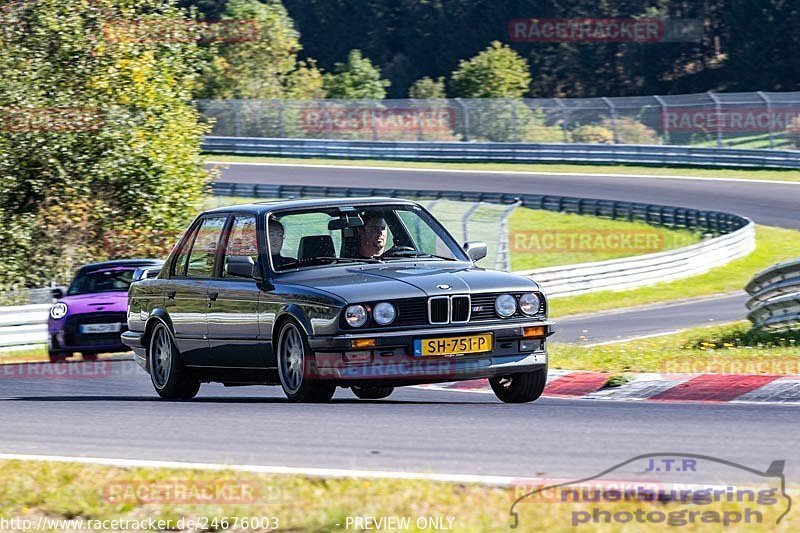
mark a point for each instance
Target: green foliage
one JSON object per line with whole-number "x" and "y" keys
{"x": 497, "y": 72}
{"x": 356, "y": 79}
{"x": 117, "y": 152}
{"x": 592, "y": 133}
{"x": 263, "y": 62}
{"x": 427, "y": 88}
{"x": 630, "y": 131}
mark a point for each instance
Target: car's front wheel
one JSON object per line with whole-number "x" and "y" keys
{"x": 294, "y": 367}
{"x": 520, "y": 388}
{"x": 170, "y": 377}
{"x": 371, "y": 392}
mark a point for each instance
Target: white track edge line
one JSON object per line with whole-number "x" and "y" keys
{"x": 265, "y": 469}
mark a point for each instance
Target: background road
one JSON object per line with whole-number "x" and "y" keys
{"x": 768, "y": 203}
{"x": 414, "y": 430}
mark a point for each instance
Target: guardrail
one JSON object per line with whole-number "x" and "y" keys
{"x": 734, "y": 235}
{"x": 509, "y": 152}
{"x": 774, "y": 302}
{"x": 23, "y": 325}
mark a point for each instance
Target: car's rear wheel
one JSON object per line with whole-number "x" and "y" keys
{"x": 170, "y": 377}
{"x": 520, "y": 388}
{"x": 371, "y": 392}
{"x": 294, "y": 367}
{"x": 57, "y": 357}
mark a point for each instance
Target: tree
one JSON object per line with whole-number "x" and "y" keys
{"x": 427, "y": 88}
{"x": 497, "y": 72}
{"x": 99, "y": 138}
{"x": 356, "y": 79}
{"x": 263, "y": 64}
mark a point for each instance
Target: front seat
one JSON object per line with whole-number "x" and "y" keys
{"x": 315, "y": 246}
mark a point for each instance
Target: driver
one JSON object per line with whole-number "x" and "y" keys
{"x": 372, "y": 235}
{"x": 276, "y": 233}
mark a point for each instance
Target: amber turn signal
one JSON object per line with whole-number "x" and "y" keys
{"x": 362, "y": 343}
{"x": 534, "y": 331}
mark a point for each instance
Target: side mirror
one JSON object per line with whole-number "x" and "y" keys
{"x": 476, "y": 250}
{"x": 241, "y": 266}
{"x": 57, "y": 293}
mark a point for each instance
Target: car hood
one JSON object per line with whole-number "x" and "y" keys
{"x": 407, "y": 280}
{"x": 96, "y": 302}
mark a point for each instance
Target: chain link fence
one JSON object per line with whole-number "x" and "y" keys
{"x": 738, "y": 120}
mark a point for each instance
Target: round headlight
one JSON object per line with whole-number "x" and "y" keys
{"x": 529, "y": 303}
{"x": 505, "y": 305}
{"x": 356, "y": 315}
{"x": 384, "y": 313}
{"x": 59, "y": 310}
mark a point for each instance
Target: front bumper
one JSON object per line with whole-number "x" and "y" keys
{"x": 392, "y": 361}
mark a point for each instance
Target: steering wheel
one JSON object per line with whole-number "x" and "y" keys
{"x": 394, "y": 249}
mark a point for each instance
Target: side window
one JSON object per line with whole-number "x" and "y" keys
{"x": 242, "y": 242}
{"x": 204, "y": 249}
{"x": 179, "y": 266}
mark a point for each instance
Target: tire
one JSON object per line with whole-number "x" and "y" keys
{"x": 520, "y": 388}
{"x": 371, "y": 392}
{"x": 89, "y": 356}
{"x": 293, "y": 370}
{"x": 170, "y": 377}
{"x": 57, "y": 357}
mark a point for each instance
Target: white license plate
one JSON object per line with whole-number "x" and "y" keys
{"x": 101, "y": 328}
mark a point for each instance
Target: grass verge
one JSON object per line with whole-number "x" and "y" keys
{"x": 733, "y": 348}
{"x": 772, "y": 246}
{"x": 752, "y": 174}
{"x": 33, "y": 490}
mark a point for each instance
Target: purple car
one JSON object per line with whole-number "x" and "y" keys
{"x": 91, "y": 316}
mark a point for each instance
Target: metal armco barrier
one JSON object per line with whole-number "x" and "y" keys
{"x": 735, "y": 235}
{"x": 775, "y": 297}
{"x": 23, "y": 325}
{"x": 513, "y": 152}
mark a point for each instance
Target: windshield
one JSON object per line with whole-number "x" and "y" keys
{"x": 105, "y": 280}
{"x": 363, "y": 234}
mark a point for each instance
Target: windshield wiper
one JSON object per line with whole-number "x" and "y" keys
{"x": 327, "y": 260}
{"x": 404, "y": 254}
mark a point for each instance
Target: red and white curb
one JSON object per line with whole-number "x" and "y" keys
{"x": 708, "y": 388}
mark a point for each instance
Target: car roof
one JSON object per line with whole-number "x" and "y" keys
{"x": 120, "y": 263}
{"x": 308, "y": 203}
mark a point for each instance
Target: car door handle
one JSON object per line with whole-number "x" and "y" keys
{"x": 171, "y": 294}
{"x": 213, "y": 296}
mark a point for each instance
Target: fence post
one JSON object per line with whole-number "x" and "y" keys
{"x": 718, "y": 111}
{"x": 237, "y": 121}
{"x": 664, "y": 122}
{"x": 514, "y": 119}
{"x": 281, "y": 125}
{"x": 767, "y": 101}
{"x": 503, "y": 258}
{"x": 563, "y": 118}
{"x": 465, "y": 111}
{"x": 612, "y": 112}
{"x": 465, "y": 220}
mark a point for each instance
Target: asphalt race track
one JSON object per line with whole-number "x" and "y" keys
{"x": 119, "y": 416}
{"x": 768, "y": 203}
